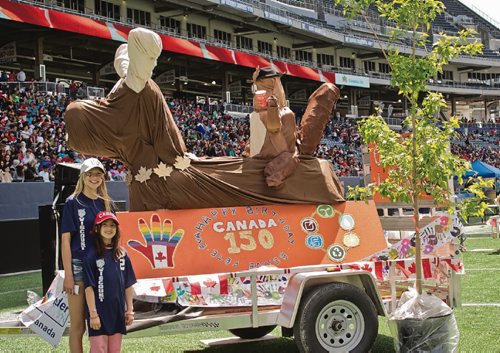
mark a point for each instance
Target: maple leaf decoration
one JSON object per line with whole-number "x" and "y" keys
{"x": 163, "y": 171}
{"x": 367, "y": 267}
{"x": 182, "y": 163}
{"x": 143, "y": 175}
{"x": 210, "y": 283}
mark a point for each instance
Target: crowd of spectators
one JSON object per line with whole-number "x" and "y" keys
{"x": 32, "y": 136}
{"x": 341, "y": 145}
{"x": 478, "y": 144}
{"x": 207, "y": 131}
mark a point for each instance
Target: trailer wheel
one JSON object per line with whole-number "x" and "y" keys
{"x": 252, "y": 332}
{"x": 337, "y": 317}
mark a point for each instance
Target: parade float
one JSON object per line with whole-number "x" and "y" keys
{"x": 248, "y": 244}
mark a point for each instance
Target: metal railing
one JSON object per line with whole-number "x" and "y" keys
{"x": 238, "y": 108}
{"x": 50, "y": 88}
{"x": 305, "y": 4}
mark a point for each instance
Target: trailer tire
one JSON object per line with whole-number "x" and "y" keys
{"x": 337, "y": 317}
{"x": 250, "y": 333}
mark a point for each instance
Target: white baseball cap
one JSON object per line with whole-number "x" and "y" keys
{"x": 91, "y": 163}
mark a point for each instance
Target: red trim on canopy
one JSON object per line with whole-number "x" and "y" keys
{"x": 98, "y": 28}
{"x": 181, "y": 46}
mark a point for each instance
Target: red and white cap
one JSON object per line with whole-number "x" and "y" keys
{"x": 105, "y": 215}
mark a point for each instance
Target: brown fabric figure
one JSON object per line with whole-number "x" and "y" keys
{"x": 133, "y": 124}
{"x": 279, "y": 123}
{"x": 316, "y": 116}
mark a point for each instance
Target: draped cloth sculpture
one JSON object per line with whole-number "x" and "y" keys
{"x": 273, "y": 133}
{"x": 134, "y": 125}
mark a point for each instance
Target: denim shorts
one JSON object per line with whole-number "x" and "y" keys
{"x": 77, "y": 265}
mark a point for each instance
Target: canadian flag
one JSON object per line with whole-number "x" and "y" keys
{"x": 160, "y": 256}
{"x": 212, "y": 284}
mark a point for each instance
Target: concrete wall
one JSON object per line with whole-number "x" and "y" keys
{"x": 21, "y": 200}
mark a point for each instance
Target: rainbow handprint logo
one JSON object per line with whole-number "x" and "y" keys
{"x": 161, "y": 241}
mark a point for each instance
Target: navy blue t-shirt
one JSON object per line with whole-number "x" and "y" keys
{"x": 78, "y": 218}
{"x": 109, "y": 278}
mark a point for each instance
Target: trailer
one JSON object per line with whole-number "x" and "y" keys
{"x": 325, "y": 280}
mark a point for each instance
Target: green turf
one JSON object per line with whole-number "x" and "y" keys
{"x": 481, "y": 286}
{"x": 478, "y": 326}
{"x": 13, "y": 290}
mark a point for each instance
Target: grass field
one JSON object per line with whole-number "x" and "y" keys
{"x": 479, "y": 325}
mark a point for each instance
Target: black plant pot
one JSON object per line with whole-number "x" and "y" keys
{"x": 436, "y": 334}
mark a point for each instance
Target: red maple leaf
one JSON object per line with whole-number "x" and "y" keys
{"x": 367, "y": 267}
{"x": 412, "y": 268}
{"x": 155, "y": 288}
{"x": 210, "y": 284}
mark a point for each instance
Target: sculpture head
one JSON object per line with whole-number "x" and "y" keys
{"x": 269, "y": 79}
{"x": 144, "y": 48}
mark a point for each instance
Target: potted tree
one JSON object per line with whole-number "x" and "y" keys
{"x": 420, "y": 163}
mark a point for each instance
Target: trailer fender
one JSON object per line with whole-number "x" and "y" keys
{"x": 301, "y": 283}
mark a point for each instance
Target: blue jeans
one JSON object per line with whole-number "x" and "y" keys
{"x": 77, "y": 266}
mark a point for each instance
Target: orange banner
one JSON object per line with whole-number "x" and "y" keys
{"x": 201, "y": 241}
{"x": 379, "y": 174}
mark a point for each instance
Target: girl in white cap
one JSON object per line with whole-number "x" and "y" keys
{"x": 108, "y": 278}
{"x": 90, "y": 197}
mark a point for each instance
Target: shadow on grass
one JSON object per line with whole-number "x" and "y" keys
{"x": 383, "y": 343}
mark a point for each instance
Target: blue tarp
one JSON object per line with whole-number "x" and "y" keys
{"x": 484, "y": 170}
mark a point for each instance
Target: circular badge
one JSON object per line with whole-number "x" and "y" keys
{"x": 351, "y": 240}
{"x": 314, "y": 241}
{"x": 336, "y": 253}
{"x": 346, "y": 222}
{"x": 325, "y": 211}
{"x": 309, "y": 225}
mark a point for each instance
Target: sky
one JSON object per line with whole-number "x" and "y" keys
{"x": 489, "y": 7}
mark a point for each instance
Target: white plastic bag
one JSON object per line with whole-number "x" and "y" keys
{"x": 423, "y": 323}
{"x": 48, "y": 317}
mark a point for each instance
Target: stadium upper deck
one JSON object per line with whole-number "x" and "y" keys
{"x": 212, "y": 46}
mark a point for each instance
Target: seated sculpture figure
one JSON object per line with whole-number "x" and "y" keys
{"x": 273, "y": 133}
{"x": 134, "y": 125}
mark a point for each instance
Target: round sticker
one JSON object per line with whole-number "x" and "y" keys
{"x": 325, "y": 211}
{"x": 336, "y": 253}
{"x": 351, "y": 240}
{"x": 346, "y": 222}
{"x": 309, "y": 225}
{"x": 314, "y": 241}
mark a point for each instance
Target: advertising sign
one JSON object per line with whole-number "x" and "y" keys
{"x": 359, "y": 41}
{"x": 107, "y": 69}
{"x": 8, "y": 52}
{"x": 351, "y": 80}
{"x": 170, "y": 243}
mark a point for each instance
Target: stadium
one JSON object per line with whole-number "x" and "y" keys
{"x": 53, "y": 53}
